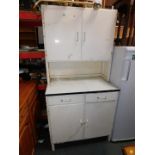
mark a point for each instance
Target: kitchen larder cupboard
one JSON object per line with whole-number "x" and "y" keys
{"x": 80, "y": 103}
{"x": 72, "y": 33}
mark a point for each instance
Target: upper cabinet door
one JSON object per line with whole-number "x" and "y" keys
{"x": 98, "y": 33}
{"x": 62, "y": 32}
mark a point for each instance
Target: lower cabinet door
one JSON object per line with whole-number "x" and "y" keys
{"x": 65, "y": 122}
{"x": 99, "y": 119}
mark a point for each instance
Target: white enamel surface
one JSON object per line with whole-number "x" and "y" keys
{"x": 72, "y": 33}
{"x": 124, "y": 124}
{"x": 78, "y": 85}
{"x": 62, "y": 27}
{"x": 101, "y": 97}
{"x": 65, "y": 122}
{"x": 64, "y": 99}
{"x": 98, "y": 33}
{"x": 99, "y": 118}
{"x": 80, "y": 116}
{"x": 74, "y": 68}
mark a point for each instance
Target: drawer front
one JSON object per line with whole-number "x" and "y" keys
{"x": 64, "y": 99}
{"x": 100, "y": 97}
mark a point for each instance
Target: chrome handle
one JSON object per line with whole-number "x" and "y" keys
{"x": 77, "y": 36}
{"x": 126, "y": 70}
{"x": 84, "y": 36}
{"x": 67, "y": 100}
{"x": 102, "y": 98}
{"x": 83, "y": 122}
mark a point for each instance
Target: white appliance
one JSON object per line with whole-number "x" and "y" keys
{"x": 123, "y": 76}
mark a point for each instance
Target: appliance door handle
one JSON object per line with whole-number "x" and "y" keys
{"x": 126, "y": 70}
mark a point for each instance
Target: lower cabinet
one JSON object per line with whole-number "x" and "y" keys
{"x": 84, "y": 116}
{"x": 65, "y": 122}
{"x": 99, "y": 119}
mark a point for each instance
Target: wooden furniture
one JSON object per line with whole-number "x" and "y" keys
{"x": 129, "y": 150}
{"x": 28, "y": 36}
{"x": 28, "y": 22}
{"x": 27, "y": 117}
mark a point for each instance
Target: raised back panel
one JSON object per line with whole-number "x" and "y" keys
{"x": 75, "y": 69}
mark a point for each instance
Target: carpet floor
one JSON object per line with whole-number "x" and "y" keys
{"x": 99, "y": 146}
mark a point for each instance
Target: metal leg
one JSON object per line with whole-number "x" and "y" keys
{"x": 53, "y": 147}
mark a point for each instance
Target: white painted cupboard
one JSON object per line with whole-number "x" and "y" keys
{"x": 72, "y": 33}
{"x": 78, "y": 45}
{"x": 80, "y": 116}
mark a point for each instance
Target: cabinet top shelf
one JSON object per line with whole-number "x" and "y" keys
{"x": 74, "y": 86}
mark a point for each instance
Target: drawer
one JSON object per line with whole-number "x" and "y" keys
{"x": 64, "y": 99}
{"x": 100, "y": 97}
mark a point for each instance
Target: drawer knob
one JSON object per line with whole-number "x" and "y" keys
{"x": 67, "y": 100}
{"x": 102, "y": 98}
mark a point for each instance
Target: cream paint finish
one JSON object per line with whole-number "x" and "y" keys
{"x": 78, "y": 45}
{"x": 98, "y": 33}
{"x": 99, "y": 117}
{"x": 72, "y": 33}
{"x": 78, "y": 85}
{"x": 65, "y": 122}
{"x": 74, "y": 69}
{"x": 62, "y": 32}
{"x": 82, "y": 116}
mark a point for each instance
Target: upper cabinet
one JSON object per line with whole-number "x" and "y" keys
{"x": 98, "y": 28}
{"x": 62, "y": 32}
{"x": 72, "y": 33}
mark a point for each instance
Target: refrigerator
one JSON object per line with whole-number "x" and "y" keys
{"x": 123, "y": 76}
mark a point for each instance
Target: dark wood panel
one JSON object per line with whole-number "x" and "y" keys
{"x": 27, "y": 121}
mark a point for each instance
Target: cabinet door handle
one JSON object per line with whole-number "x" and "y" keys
{"x": 77, "y": 36}
{"x": 84, "y": 36}
{"x": 67, "y": 100}
{"x": 126, "y": 70}
{"x": 104, "y": 98}
{"x": 83, "y": 122}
